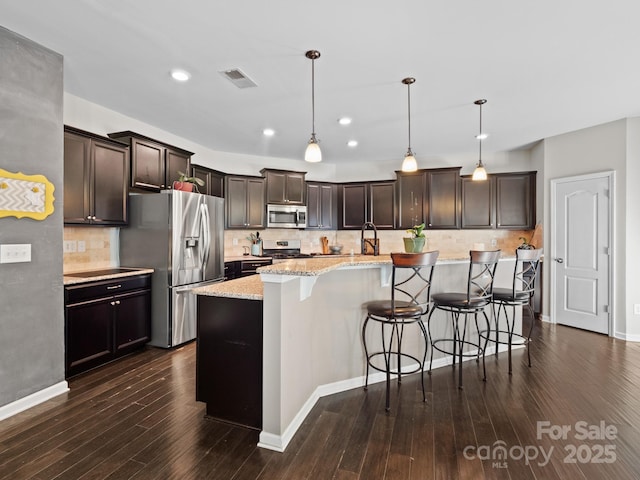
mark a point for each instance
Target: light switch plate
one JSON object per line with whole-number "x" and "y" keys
{"x": 15, "y": 253}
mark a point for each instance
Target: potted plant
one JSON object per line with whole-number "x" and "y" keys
{"x": 415, "y": 243}
{"x": 525, "y": 245}
{"x": 186, "y": 184}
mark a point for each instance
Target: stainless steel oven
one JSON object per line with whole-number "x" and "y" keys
{"x": 286, "y": 216}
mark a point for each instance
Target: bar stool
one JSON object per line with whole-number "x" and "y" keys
{"x": 520, "y": 294}
{"x": 482, "y": 268}
{"x": 410, "y": 288}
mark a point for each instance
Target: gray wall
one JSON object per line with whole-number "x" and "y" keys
{"x": 31, "y": 294}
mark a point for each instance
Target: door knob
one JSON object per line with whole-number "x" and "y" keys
{"x": 559, "y": 260}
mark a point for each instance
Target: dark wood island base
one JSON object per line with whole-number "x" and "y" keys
{"x": 229, "y": 359}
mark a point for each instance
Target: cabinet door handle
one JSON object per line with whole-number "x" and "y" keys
{"x": 114, "y": 287}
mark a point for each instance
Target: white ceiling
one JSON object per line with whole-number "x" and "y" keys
{"x": 545, "y": 67}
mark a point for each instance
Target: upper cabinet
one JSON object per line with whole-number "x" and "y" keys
{"x": 430, "y": 196}
{"x": 96, "y": 173}
{"x": 154, "y": 164}
{"x": 244, "y": 202}
{"x": 367, "y": 202}
{"x": 515, "y": 200}
{"x": 284, "y": 187}
{"x": 504, "y": 200}
{"x": 322, "y": 206}
{"x": 213, "y": 180}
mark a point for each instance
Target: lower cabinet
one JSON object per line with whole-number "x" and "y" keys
{"x": 229, "y": 359}
{"x": 105, "y": 320}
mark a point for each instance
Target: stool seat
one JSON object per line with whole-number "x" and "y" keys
{"x": 458, "y": 300}
{"x": 402, "y": 309}
{"x": 508, "y": 295}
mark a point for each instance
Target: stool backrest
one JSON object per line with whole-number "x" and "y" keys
{"x": 525, "y": 271}
{"x": 482, "y": 272}
{"x": 411, "y": 278}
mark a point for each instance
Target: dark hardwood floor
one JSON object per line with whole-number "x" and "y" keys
{"x": 138, "y": 419}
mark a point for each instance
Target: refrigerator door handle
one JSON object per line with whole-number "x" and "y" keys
{"x": 206, "y": 235}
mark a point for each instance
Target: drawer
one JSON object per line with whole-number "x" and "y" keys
{"x": 105, "y": 288}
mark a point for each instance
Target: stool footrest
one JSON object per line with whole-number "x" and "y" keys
{"x": 399, "y": 370}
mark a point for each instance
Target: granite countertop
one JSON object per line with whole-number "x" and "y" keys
{"x": 236, "y": 258}
{"x": 251, "y": 287}
{"x": 72, "y": 278}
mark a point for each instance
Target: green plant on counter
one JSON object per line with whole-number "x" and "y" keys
{"x": 416, "y": 231}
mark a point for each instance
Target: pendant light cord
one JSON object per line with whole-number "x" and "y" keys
{"x": 409, "y": 111}
{"x": 313, "y": 97}
{"x": 480, "y": 138}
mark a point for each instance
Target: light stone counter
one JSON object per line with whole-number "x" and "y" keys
{"x": 250, "y": 288}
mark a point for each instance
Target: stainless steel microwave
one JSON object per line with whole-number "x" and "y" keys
{"x": 286, "y": 216}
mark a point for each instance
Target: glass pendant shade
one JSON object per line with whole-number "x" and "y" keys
{"x": 313, "y": 154}
{"x": 409, "y": 163}
{"x": 479, "y": 173}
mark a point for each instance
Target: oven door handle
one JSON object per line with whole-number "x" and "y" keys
{"x": 297, "y": 218}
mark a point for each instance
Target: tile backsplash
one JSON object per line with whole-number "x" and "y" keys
{"x": 88, "y": 248}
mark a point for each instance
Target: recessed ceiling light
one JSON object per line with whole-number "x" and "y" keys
{"x": 180, "y": 75}
{"x": 482, "y": 136}
{"x": 352, "y": 143}
{"x": 344, "y": 121}
{"x": 268, "y": 132}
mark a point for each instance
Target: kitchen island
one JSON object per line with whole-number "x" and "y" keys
{"x": 311, "y": 328}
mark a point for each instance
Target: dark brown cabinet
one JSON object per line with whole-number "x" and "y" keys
{"x": 322, "y": 206}
{"x": 213, "y": 180}
{"x": 229, "y": 359}
{"x": 244, "y": 202}
{"x": 515, "y": 200}
{"x": 284, "y": 187}
{"x": 105, "y": 320}
{"x": 96, "y": 172}
{"x": 478, "y": 200}
{"x": 430, "y": 196}
{"x": 154, "y": 164}
{"x": 367, "y": 202}
{"x": 504, "y": 200}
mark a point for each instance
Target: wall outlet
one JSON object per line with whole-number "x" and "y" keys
{"x": 69, "y": 246}
{"x": 235, "y": 241}
{"x": 636, "y": 308}
{"x": 81, "y": 246}
{"x": 494, "y": 242}
{"x": 16, "y": 253}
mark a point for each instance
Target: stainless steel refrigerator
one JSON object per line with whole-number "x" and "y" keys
{"x": 181, "y": 236}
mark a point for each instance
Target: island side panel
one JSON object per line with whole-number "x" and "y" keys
{"x": 229, "y": 359}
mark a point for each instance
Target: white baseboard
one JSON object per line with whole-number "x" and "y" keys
{"x": 279, "y": 443}
{"x": 546, "y": 318}
{"x": 627, "y": 337}
{"x": 34, "y": 399}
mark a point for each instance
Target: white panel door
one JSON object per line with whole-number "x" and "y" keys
{"x": 581, "y": 252}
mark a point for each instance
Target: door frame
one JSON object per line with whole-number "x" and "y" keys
{"x": 610, "y": 176}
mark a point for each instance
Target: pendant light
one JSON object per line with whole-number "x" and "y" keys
{"x": 409, "y": 163}
{"x": 313, "y": 153}
{"x": 480, "y": 173}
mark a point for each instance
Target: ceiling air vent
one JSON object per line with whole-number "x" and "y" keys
{"x": 238, "y": 78}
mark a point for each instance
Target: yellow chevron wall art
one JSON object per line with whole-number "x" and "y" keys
{"x": 23, "y": 195}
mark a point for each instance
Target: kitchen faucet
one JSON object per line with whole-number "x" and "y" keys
{"x": 372, "y": 242}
